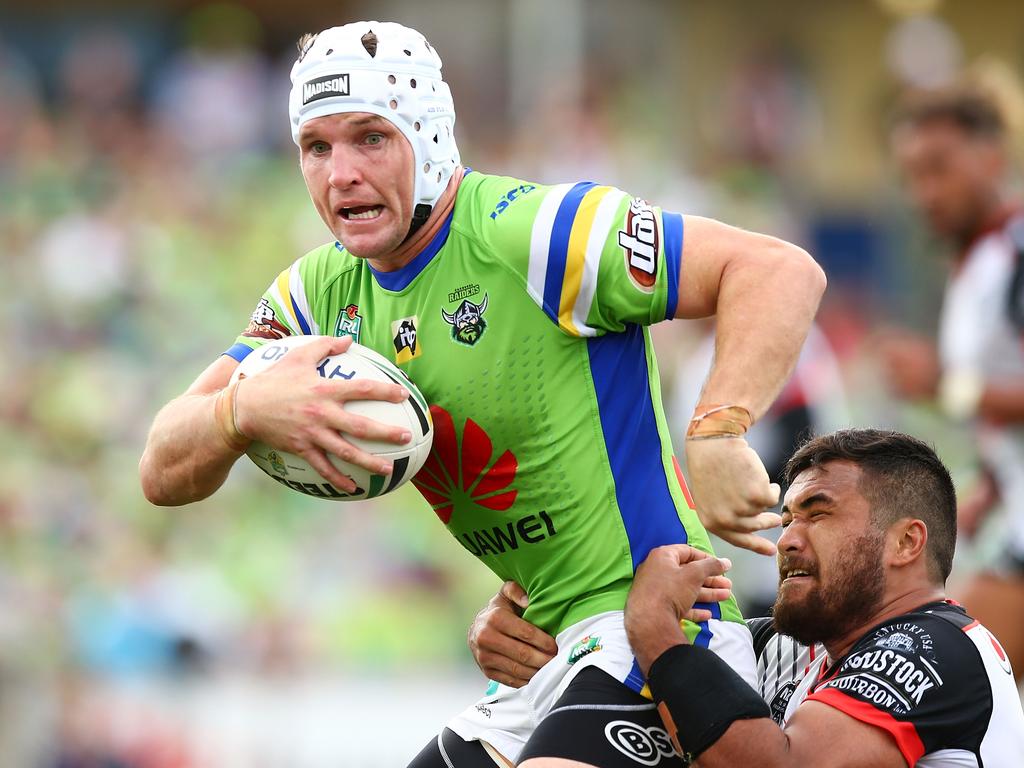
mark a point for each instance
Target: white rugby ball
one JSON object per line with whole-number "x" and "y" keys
{"x": 358, "y": 362}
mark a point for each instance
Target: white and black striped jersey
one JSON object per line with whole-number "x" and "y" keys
{"x": 782, "y": 663}
{"x": 935, "y": 679}
{"x": 980, "y": 331}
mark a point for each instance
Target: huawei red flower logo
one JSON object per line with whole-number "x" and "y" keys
{"x": 465, "y": 472}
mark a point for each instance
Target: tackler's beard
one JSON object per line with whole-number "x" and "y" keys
{"x": 822, "y": 611}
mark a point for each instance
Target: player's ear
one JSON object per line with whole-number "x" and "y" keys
{"x": 906, "y": 541}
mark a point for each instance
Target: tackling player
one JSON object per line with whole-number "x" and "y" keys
{"x": 520, "y": 311}
{"x": 895, "y": 674}
{"x": 951, "y": 147}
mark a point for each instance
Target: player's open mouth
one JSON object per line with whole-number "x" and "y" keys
{"x": 795, "y": 574}
{"x": 361, "y": 212}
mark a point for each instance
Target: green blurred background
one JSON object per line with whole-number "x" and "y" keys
{"x": 149, "y": 192}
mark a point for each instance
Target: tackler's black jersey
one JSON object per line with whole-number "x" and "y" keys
{"x": 935, "y": 679}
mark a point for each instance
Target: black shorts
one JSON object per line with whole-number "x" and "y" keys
{"x": 600, "y": 721}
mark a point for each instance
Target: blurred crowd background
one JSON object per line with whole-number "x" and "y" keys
{"x": 149, "y": 192}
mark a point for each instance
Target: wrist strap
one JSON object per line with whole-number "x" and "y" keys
{"x": 711, "y": 421}
{"x": 226, "y": 417}
{"x": 699, "y": 696}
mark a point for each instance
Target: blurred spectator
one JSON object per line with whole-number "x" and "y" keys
{"x": 210, "y": 98}
{"x": 99, "y": 82}
{"x": 769, "y": 114}
{"x": 20, "y": 108}
{"x": 951, "y": 147}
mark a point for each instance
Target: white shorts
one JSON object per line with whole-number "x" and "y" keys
{"x": 506, "y": 717}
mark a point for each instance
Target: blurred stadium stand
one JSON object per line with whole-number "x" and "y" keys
{"x": 149, "y": 193}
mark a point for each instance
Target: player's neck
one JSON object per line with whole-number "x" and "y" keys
{"x": 408, "y": 250}
{"x": 889, "y": 608}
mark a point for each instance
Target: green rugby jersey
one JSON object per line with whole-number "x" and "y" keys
{"x": 524, "y": 324}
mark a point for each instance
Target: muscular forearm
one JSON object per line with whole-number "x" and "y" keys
{"x": 757, "y": 742}
{"x": 186, "y": 458}
{"x": 765, "y": 306}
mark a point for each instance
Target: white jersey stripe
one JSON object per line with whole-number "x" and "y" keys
{"x": 603, "y": 222}
{"x": 540, "y": 242}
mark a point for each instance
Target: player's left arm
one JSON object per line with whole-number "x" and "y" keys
{"x": 817, "y": 736}
{"x": 764, "y": 293}
{"x": 708, "y": 709}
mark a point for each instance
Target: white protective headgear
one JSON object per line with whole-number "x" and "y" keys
{"x": 397, "y": 76}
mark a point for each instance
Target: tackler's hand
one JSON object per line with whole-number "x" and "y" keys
{"x": 506, "y": 647}
{"x": 666, "y": 586}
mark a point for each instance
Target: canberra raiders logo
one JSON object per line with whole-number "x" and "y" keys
{"x": 468, "y": 323}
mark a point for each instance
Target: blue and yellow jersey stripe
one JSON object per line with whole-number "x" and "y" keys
{"x": 289, "y": 294}
{"x": 574, "y": 227}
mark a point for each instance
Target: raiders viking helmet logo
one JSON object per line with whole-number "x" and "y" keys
{"x": 468, "y": 322}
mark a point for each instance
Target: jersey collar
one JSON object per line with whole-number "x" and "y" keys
{"x": 399, "y": 279}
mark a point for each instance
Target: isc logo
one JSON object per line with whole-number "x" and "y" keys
{"x": 639, "y": 241}
{"x": 510, "y": 197}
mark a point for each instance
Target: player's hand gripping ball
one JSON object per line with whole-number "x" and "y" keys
{"x": 358, "y": 362}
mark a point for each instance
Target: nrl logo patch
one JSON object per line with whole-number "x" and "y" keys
{"x": 467, "y": 323}
{"x": 780, "y": 702}
{"x": 349, "y": 322}
{"x": 324, "y": 87}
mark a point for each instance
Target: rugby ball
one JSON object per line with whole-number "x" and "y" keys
{"x": 358, "y": 362}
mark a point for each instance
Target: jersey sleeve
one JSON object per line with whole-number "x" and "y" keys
{"x": 920, "y": 679}
{"x": 592, "y": 257}
{"x": 286, "y": 309}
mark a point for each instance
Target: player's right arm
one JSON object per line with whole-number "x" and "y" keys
{"x": 186, "y": 456}
{"x": 289, "y": 406}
